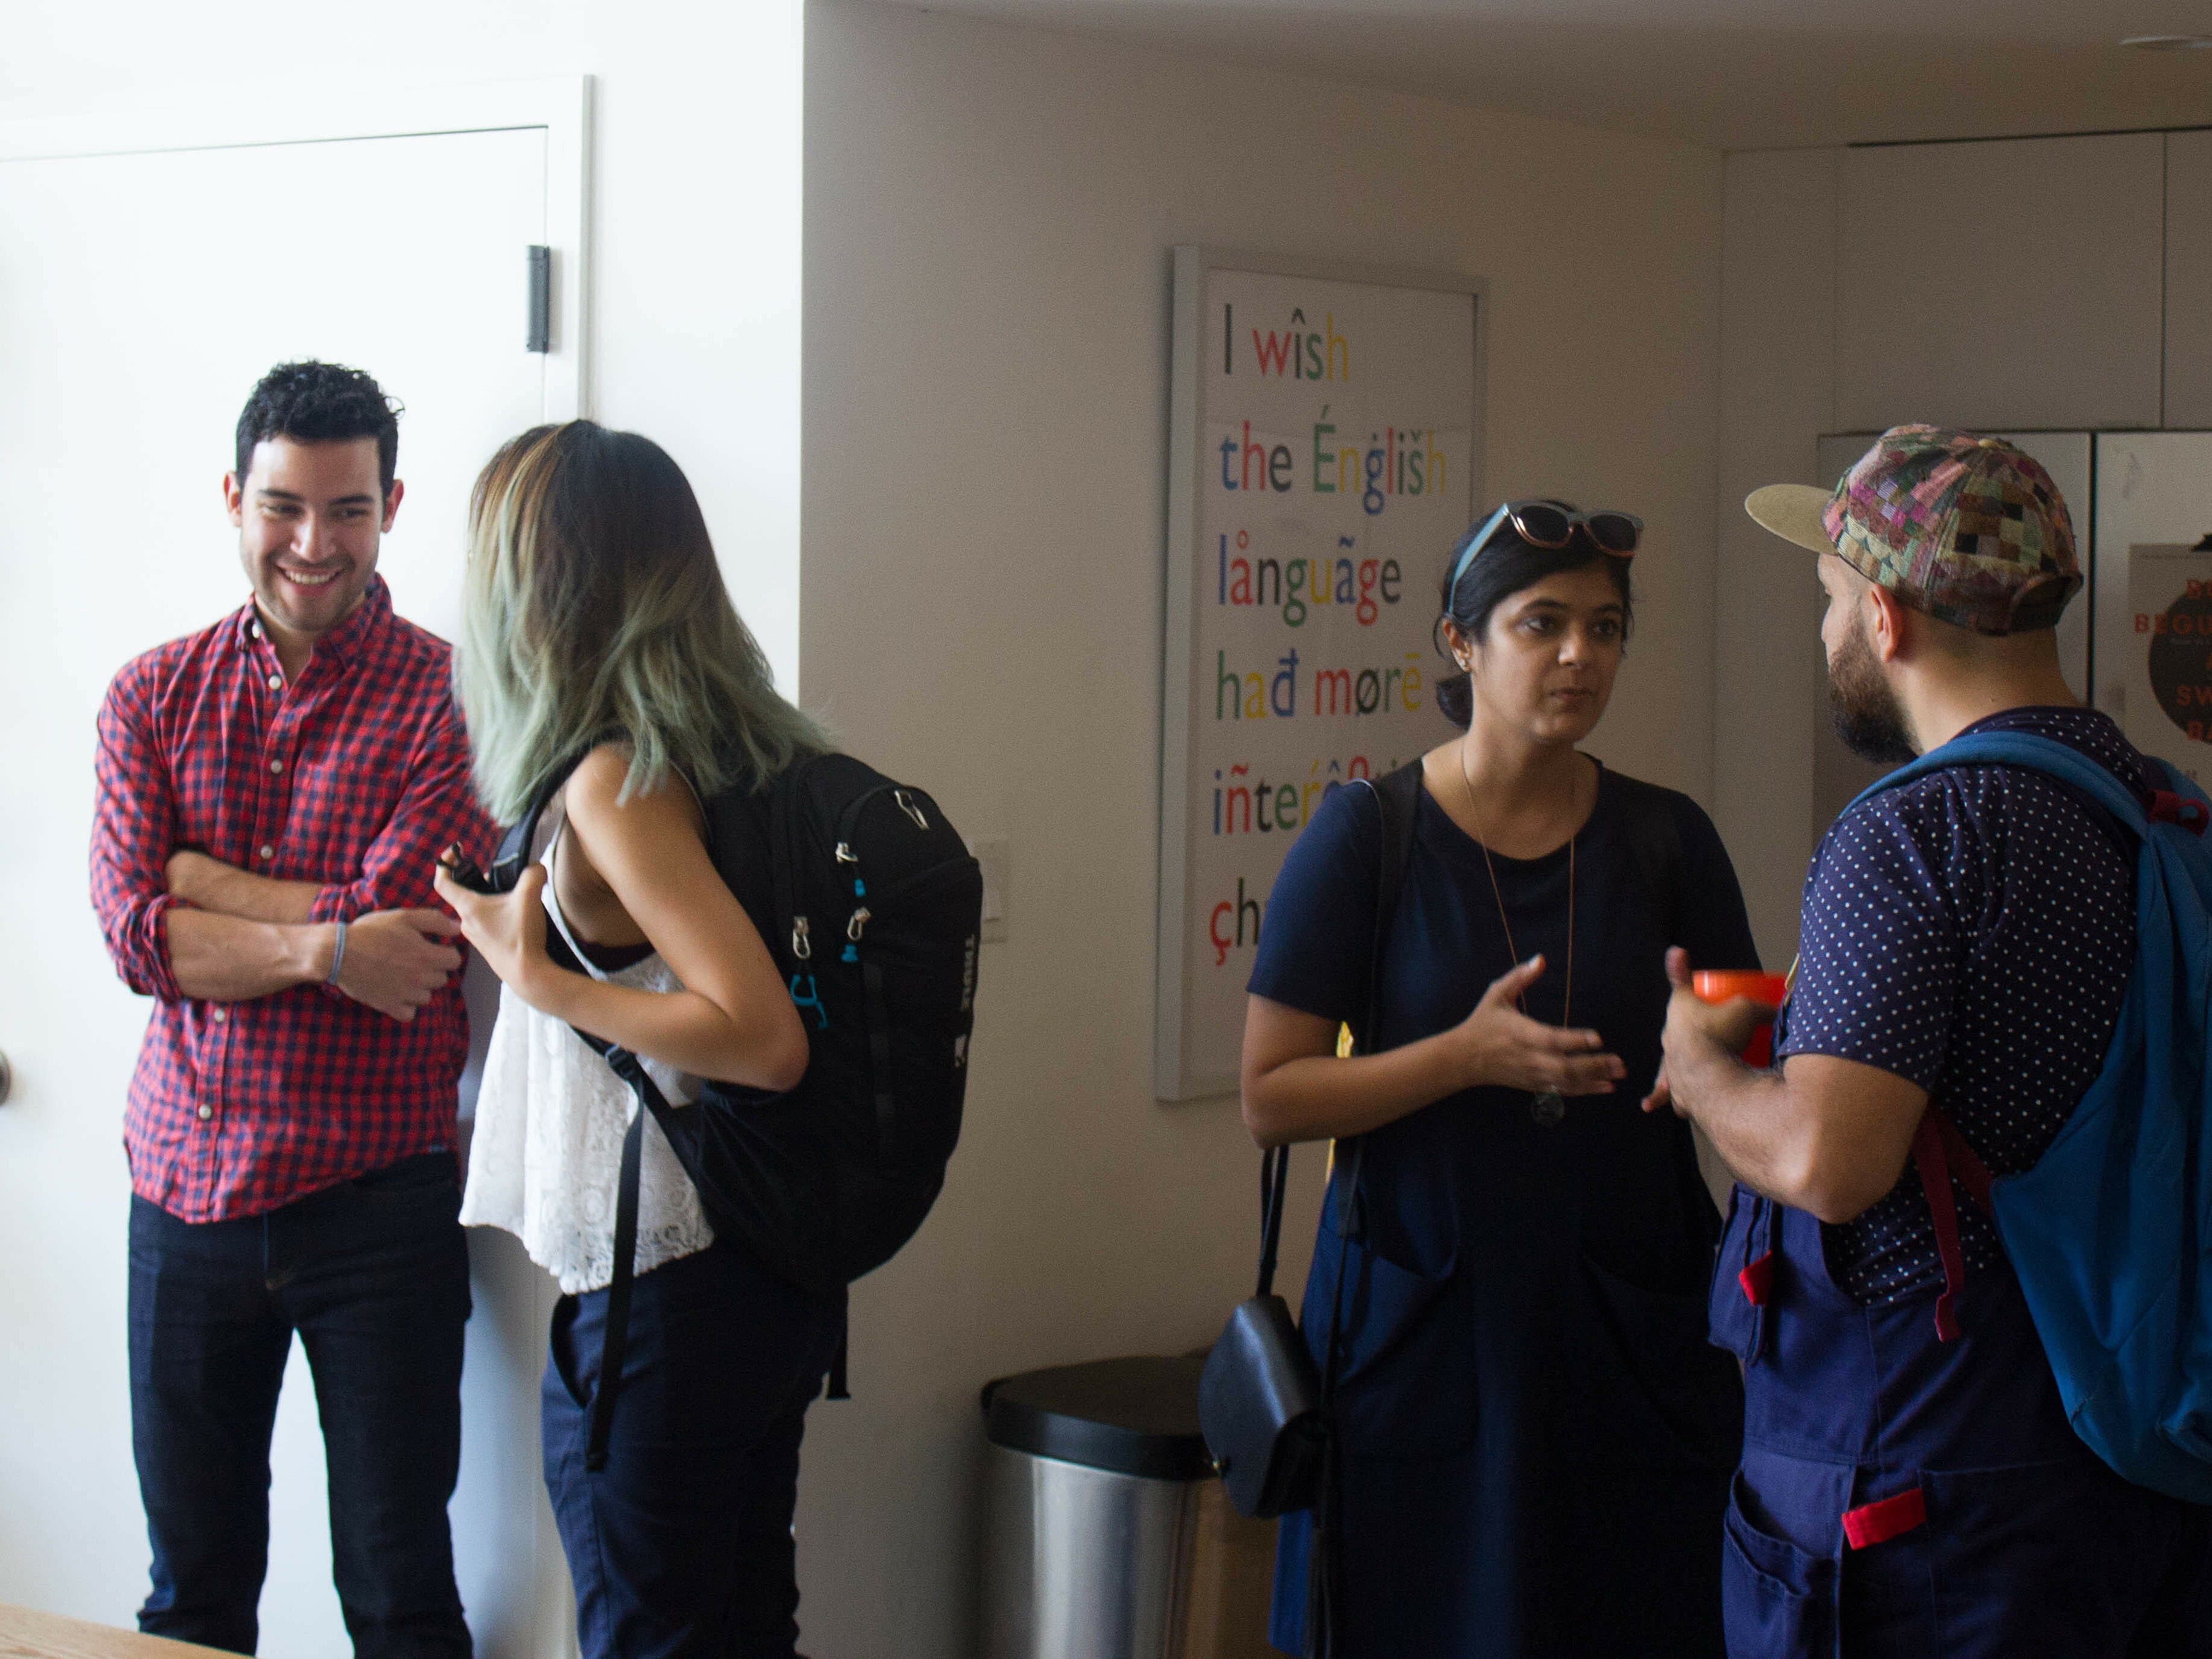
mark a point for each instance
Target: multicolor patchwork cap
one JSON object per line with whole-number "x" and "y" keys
{"x": 1969, "y": 530}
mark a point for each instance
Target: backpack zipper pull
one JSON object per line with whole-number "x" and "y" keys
{"x": 801, "y": 946}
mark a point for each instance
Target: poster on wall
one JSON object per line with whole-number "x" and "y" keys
{"x": 2152, "y": 593}
{"x": 1326, "y": 435}
{"x": 2169, "y": 691}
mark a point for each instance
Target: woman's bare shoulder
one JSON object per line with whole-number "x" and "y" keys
{"x": 597, "y": 782}
{"x": 595, "y": 804}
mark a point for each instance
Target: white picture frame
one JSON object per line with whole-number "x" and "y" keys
{"x": 1367, "y": 362}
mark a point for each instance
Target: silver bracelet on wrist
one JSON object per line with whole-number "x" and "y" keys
{"x": 338, "y": 956}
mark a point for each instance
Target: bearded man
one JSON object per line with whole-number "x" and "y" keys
{"x": 1911, "y": 1484}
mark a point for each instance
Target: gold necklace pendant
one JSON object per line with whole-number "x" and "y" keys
{"x": 1549, "y": 1109}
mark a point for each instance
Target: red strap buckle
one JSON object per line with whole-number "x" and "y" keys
{"x": 2168, "y": 807}
{"x": 1757, "y": 1280}
{"x": 1892, "y": 1517}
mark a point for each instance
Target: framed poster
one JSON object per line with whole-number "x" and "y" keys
{"x": 2169, "y": 674}
{"x": 1325, "y": 445}
{"x": 2152, "y": 588}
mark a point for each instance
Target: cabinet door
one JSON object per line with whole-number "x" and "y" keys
{"x": 2002, "y": 285}
{"x": 2189, "y": 279}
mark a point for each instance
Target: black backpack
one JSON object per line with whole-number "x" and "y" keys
{"x": 872, "y": 909}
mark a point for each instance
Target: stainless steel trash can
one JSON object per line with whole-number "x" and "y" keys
{"x": 1106, "y": 1534}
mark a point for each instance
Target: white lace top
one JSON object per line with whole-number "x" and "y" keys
{"x": 546, "y": 1158}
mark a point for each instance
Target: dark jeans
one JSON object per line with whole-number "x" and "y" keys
{"x": 373, "y": 1275}
{"x": 681, "y": 1546}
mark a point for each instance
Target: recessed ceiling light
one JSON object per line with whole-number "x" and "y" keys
{"x": 2169, "y": 42}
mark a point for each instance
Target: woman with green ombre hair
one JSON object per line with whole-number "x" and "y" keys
{"x": 595, "y": 622}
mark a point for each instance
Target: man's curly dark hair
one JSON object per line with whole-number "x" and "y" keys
{"x": 321, "y": 403}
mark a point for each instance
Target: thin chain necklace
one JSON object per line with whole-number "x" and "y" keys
{"x": 1550, "y": 1107}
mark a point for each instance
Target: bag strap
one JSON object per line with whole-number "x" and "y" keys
{"x": 1397, "y": 798}
{"x": 1654, "y": 847}
{"x": 1274, "y": 1177}
{"x": 515, "y": 855}
{"x": 614, "y": 1339}
{"x": 1939, "y": 1152}
{"x": 2183, "y": 804}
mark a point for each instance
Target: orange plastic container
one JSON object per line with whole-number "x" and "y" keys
{"x": 1725, "y": 985}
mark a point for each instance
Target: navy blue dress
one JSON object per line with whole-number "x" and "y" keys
{"x": 1536, "y": 1439}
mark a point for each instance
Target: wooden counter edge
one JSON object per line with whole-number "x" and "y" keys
{"x": 26, "y": 1633}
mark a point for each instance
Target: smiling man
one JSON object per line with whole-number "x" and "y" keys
{"x": 272, "y": 793}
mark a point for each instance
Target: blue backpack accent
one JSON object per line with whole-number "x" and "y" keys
{"x": 2111, "y": 1232}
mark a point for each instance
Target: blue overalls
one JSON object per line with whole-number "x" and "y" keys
{"x": 1904, "y": 1493}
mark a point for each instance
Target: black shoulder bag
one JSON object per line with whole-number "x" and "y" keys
{"x": 1262, "y": 1407}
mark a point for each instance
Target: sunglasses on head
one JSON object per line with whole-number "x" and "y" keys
{"x": 1551, "y": 527}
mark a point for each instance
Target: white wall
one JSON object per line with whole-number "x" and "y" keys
{"x": 1778, "y": 395}
{"x": 989, "y": 212}
{"x": 695, "y": 328}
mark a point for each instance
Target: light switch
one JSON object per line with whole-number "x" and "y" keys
{"x": 997, "y": 869}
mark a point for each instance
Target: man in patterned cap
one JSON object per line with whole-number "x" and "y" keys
{"x": 1910, "y": 1483}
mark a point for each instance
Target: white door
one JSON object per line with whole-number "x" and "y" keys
{"x": 140, "y": 297}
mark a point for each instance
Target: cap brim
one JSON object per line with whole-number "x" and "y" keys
{"x": 1792, "y": 512}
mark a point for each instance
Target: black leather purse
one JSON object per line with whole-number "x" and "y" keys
{"x": 1260, "y": 1395}
{"x": 1263, "y": 1405}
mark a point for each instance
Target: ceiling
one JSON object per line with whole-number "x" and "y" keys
{"x": 1734, "y": 74}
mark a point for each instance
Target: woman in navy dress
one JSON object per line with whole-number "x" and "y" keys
{"x": 1535, "y": 1439}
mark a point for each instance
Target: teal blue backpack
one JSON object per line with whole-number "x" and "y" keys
{"x": 2111, "y": 1232}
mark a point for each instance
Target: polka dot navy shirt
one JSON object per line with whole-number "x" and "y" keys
{"x": 1972, "y": 931}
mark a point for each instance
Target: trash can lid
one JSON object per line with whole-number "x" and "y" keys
{"x": 1134, "y": 1416}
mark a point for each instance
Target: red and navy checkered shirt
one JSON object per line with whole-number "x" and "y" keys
{"x": 355, "y": 777}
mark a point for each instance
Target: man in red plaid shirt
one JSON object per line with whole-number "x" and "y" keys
{"x": 273, "y": 792}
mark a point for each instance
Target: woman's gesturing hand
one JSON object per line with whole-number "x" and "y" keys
{"x": 1499, "y": 1044}
{"x": 507, "y": 929}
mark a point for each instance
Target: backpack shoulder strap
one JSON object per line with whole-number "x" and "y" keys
{"x": 1398, "y": 795}
{"x": 1653, "y": 835}
{"x": 2046, "y": 755}
{"x": 513, "y": 855}
{"x": 1398, "y": 798}
{"x": 513, "y": 858}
